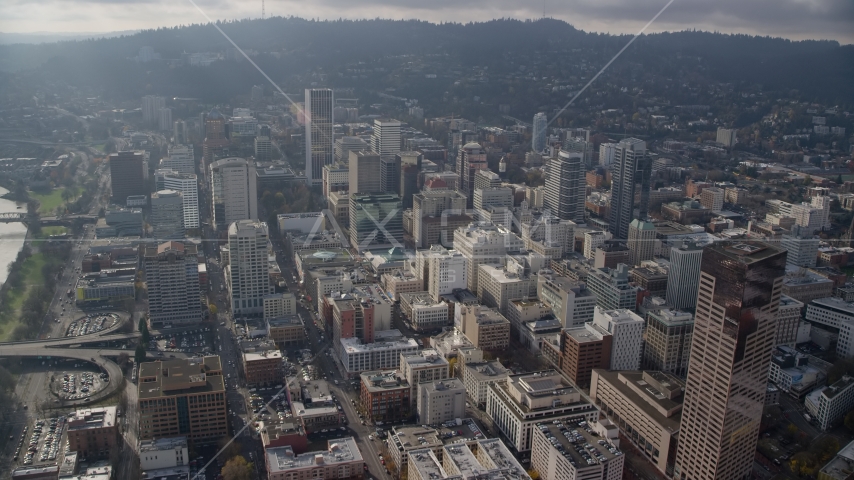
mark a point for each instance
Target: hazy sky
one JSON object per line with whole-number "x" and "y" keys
{"x": 795, "y": 19}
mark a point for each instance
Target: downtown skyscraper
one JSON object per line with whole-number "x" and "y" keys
{"x": 629, "y": 158}
{"x": 565, "y": 187}
{"x": 319, "y": 138}
{"x": 540, "y": 132}
{"x": 734, "y": 331}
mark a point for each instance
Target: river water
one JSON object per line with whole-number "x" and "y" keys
{"x": 12, "y": 235}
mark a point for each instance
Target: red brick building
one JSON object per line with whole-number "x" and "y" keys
{"x": 385, "y": 396}
{"x": 93, "y": 433}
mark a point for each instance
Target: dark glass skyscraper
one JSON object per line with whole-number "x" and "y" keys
{"x": 319, "y": 138}
{"x": 629, "y": 162}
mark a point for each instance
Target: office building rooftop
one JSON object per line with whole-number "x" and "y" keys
{"x": 92, "y": 418}
{"x": 341, "y": 450}
{"x": 180, "y": 376}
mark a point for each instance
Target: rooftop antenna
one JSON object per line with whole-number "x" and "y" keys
{"x": 262, "y": 10}
{"x": 544, "y": 9}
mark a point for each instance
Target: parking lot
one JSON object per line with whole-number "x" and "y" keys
{"x": 191, "y": 341}
{"x": 91, "y": 323}
{"x": 76, "y": 385}
{"x": 42, "y": 443}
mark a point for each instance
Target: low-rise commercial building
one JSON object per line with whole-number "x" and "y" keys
{"x": 612, "y": 289}
{"x": 156, "y": 454}
{"x": 807, "y": 287}
{"x": 383, "y": 354}
{"x": 93, "y": 432}
{"x": 581, "y": 350}
{"x": 840, "y": 466}
{"x": 263, "y": 368}
{"x": 405, "y": 438}
{"x": 422, "y": 367}
{"x": 441, "y": 400}
{"x": 519, "y": 403}
{"x": 647, "y": 408}
{"x": 385, "y": 396}
{"x": 315, "y": 409}
{"x": 485, "y": 459}
{"x": 286, "y": 331}
{"x": 105, "y": 286}
{"x": 569, "y": 451}
{"x": 570, "y": 300}
{"x": 279, "y": 304}
{"x": 829, "y": 404}
{"x": 341, "y": 460}
{"x": 792, "y": 372}
{"x": 423, "y": 312}
{"x": 398, "y": 282}
{"x": 486, "y": 328}
{"x": 477, "y": 376}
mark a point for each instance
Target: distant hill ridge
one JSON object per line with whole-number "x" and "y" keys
{"x": 820, "y": 70}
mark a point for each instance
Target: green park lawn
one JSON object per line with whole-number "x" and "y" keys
{"x": 32, "y": 273}
{"x": 48, "y": 202}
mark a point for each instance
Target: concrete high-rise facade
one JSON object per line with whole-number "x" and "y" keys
{"x": 234, "y": 191}
{"x": 626, "y": 329}
{"x": 188, "y": 185}
{"x": 484, "y": 244}
{"x": 263, "y": 148}
{"x": 364, "y": 173}
{"x": 164, "y": 119}
{"x": 802, "y": 247}
{"x": 667, "y": 341}
{"x": 641, "y": 241}
{"x": 172, "y": 280}
{"x": 248, "y": 272}
{"x": 606, "y": 153}
{"x": 541, "y": 126}
{"x": 385, "y": 139}
{"x": 628, "y": 157}
{"x": 684, "y": 278}
{"x": 470, "y": 159}
{"x": 565, "y": 189}
{"x": 500, "y": 197}
{"x": 151, "y": 105}
{"x": 612, "y": 288}
{"x": 345, "y": 145}
{"x": 127, "y": 175}
{"x": 319, "y": 132}
{"x": 788, "y": 320}
{"x": 435, "y": 216}
{"x": 447, "y": 271}
{"x": 713, "y": 198}
{"x": 167, "y": 215}
{"x": 581, "y": 146}
{"x": 726, "y": 136}
{"x": 486, "y": 179}
{"x": 181, "y": 158}
{"x": 734, "y": 330}
{"x": 179, "y": 132}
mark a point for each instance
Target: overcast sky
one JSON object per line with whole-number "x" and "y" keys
{"x": 795, "y": 19}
